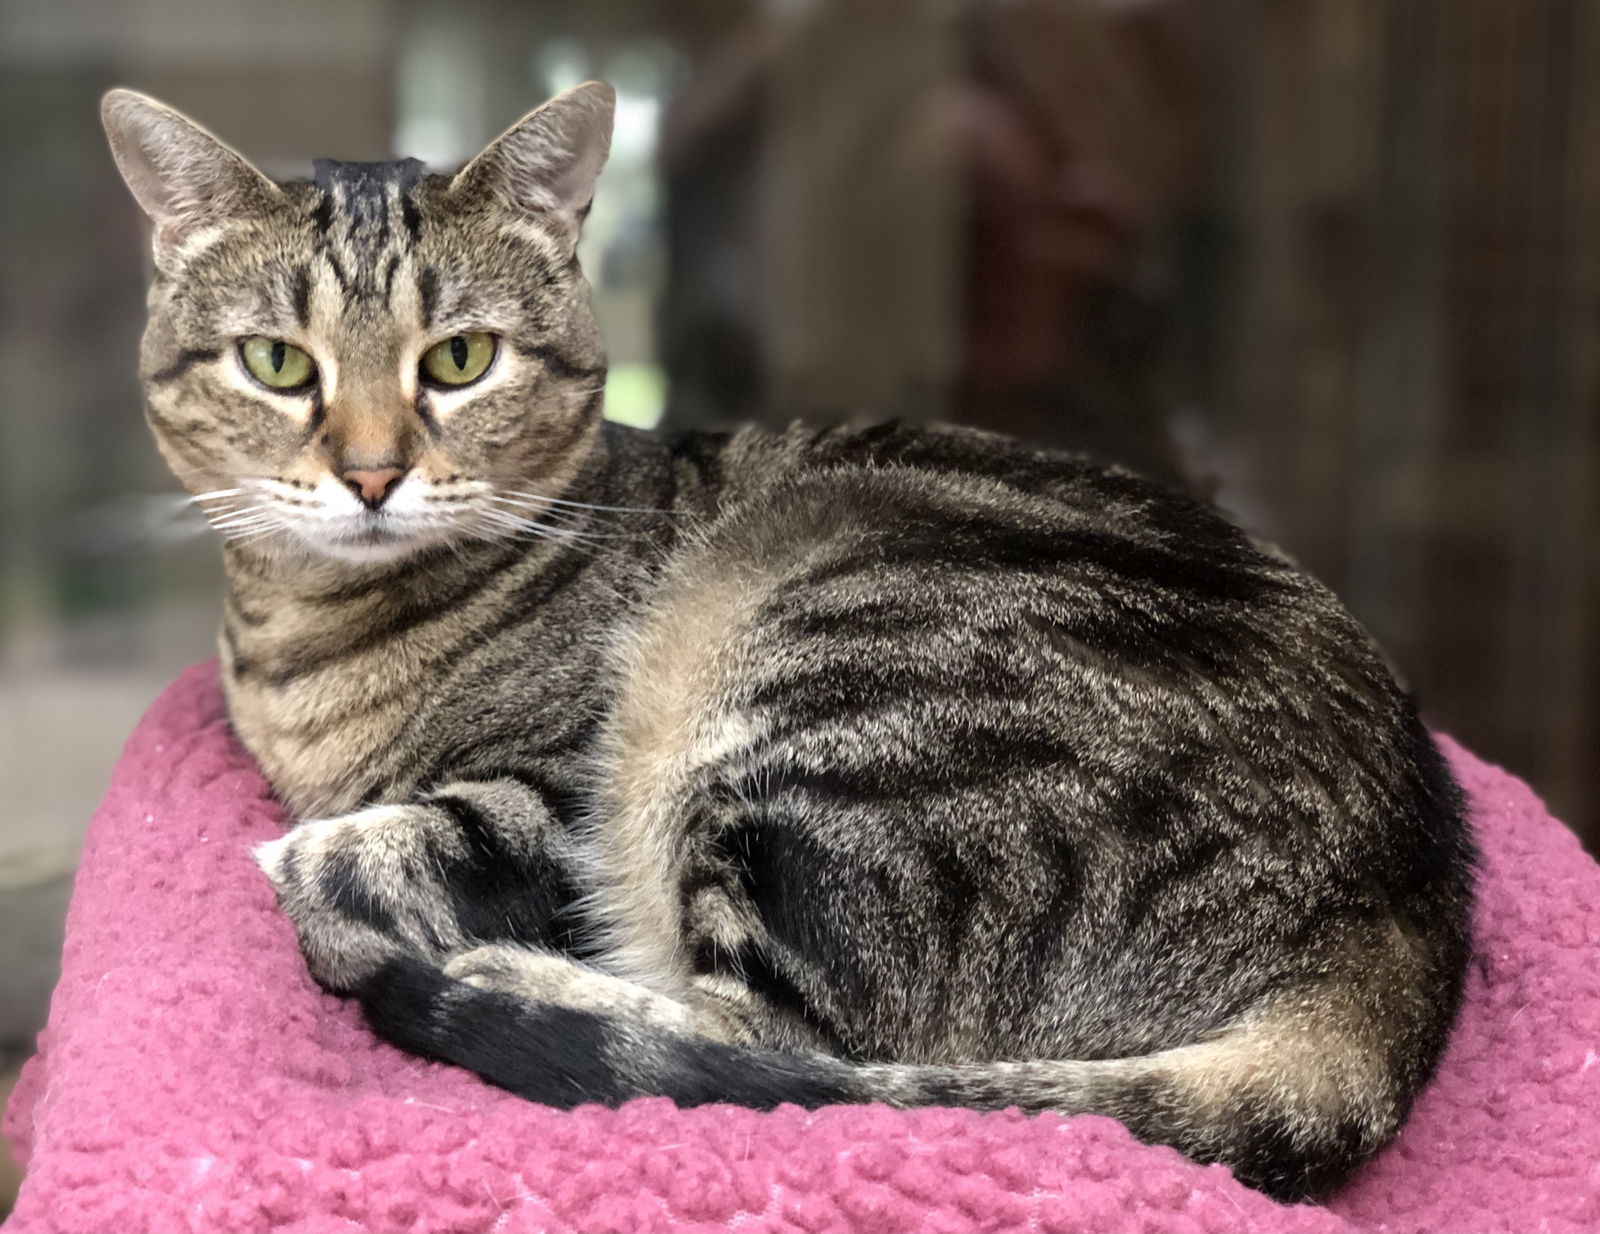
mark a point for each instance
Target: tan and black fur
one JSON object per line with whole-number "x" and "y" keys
{"x": 848, "y": 765}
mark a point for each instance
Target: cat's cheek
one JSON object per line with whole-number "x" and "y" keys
{"x": 445, "y": 403}
{"x": 249, "y": 402}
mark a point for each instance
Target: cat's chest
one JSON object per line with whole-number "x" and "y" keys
{"x": 326, "y": 741}
{"x": 328, "y": 730}
{"x": 348, "y": 703}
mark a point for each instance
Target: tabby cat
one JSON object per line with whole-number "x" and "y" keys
{"x": 890, "y": 764}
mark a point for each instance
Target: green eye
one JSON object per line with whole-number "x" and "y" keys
{"x": 460, "y": 359}
{"x": 275, "y": 363}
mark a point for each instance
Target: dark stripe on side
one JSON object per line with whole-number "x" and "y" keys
{"x": 186, "y": 360}
{"x": 371, "y": 701}
{"x": 521, "y": 759}
{"x": 525, "y": 777}
{"x": 754, "y": 967}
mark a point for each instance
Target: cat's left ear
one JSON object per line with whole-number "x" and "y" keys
{"x": 547, "y": 162}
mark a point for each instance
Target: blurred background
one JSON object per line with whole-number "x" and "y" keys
{"x": 1334, "y": 263}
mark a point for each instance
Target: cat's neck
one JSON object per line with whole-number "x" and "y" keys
{"x": 290, "y": 575}
{"x": 324, "y": 661}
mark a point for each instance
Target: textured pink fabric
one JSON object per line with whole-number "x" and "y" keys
{"x": 193, "y": 1078}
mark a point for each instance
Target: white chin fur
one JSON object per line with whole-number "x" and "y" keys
{"x": 354, "y": 542}
{"x": 373, "y": 551}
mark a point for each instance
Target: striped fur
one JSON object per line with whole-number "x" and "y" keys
{"x": 851, "y": 765}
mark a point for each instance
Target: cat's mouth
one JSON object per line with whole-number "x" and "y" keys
{"x": 375, "y": 536}
{"x": 375, "y": 529}
{"x": 414, "y": 519}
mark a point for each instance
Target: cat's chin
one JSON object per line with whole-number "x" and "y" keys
{"x": 374, "y": 546}
{"x": 375, "y": 554}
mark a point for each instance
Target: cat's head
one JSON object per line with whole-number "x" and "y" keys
{"x": 376, "y": 360}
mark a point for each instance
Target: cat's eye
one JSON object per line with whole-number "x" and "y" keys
{"x": 271, "y": 361}
{"x": 459, "y": 360}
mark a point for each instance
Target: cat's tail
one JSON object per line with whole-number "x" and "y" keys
{"x": 1291, "y": 1098}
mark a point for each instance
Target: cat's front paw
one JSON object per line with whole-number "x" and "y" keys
{"x": 354, "y": 889}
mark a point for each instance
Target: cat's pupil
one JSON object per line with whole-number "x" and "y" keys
{"x": 458, "y": 352}
{"x": 277, "y": 357}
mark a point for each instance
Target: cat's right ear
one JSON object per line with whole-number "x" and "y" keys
{"x": 546, "y": 164}
{"x": 182, "y": 176}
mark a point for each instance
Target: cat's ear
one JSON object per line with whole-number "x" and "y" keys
{"x": 182, "y": 176}
{"x": 547, "y": 162}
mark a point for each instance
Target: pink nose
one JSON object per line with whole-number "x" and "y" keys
{"x": 373, "y": 487}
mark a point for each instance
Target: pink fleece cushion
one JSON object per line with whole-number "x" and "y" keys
{"x": 193, "y": 1078}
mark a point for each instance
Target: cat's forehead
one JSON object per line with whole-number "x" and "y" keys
{"x": 370, "y": 198}
{"x": 366, "y": 227}
{"x": 355, "y": 186}
{"x": 365, "y": 249}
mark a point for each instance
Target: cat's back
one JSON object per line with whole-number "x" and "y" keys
{"x": 1065, "y": 706}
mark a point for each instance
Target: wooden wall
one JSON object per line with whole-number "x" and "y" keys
{"x": 1404, "y": 328}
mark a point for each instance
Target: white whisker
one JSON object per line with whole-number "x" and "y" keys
{"x": 583, "y": 505}
{"x": 560, "y": 514}
{"x": 230, "y": 511}
{"x": 546, "y": 511}
{"x": 242, "y": 519}
{"x": 498, "y": 525}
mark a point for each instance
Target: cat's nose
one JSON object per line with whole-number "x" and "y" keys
{"x": 372, "y": 487}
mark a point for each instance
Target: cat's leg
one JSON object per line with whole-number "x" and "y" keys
{"x": 468, "y": 863}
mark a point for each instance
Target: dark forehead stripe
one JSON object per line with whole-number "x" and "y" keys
{"x": 365, "y": 187}
{"x": 300, "y": 292}
{"x": 365, "y": 196}
{"x": 428, "y": 291}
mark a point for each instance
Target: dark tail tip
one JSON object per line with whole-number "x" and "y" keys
{"x": 549, "y": 1054}
{"x": 563, "y": 1057}
{"x": 402, "y": 999}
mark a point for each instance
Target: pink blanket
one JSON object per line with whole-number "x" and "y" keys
{"x": 193, "y": 1078}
